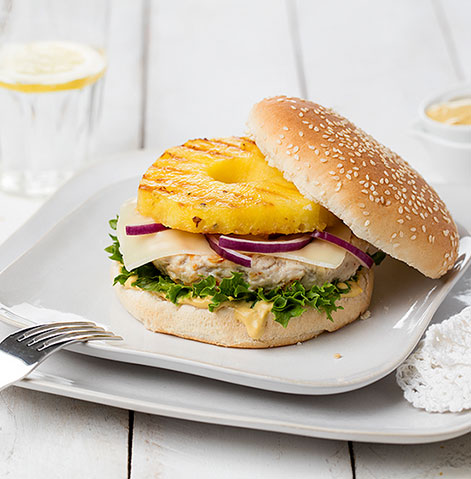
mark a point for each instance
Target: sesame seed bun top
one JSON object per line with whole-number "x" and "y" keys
{"x": 370, "y": 188}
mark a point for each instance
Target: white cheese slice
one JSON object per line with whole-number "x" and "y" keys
{"x": 321, "y": 253}
{"x": 139, "y": 250}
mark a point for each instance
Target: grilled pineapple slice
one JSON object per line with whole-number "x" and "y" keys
{"x": 225, "y": 186}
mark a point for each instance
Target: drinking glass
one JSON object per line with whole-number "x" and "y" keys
{"x": 52, "y": 64}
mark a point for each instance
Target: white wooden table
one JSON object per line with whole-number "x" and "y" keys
{"x": 183, "y": 69}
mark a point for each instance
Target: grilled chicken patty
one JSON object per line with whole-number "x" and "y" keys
{"x": 266, "y": 272}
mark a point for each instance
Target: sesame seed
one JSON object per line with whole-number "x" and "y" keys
{"x": 285, "y": 128}
{"x": 367, "y": 222}
{"x": 323, "y": 160}
{"x": 301, "y": 133}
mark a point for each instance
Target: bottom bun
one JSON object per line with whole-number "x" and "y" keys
{"x": 222, "y": 328}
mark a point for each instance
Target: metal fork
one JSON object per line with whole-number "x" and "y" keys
{"x": 24, "y": 350}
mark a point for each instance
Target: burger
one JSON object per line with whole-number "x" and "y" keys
{"x": 273, "y": 238}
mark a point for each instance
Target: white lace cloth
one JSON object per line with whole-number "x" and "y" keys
{"x": 437, "y": 376}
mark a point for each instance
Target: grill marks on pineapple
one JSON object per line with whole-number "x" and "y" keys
{"x": 227, "y": 185}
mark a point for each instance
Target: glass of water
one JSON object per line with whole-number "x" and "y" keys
{"x": 52, "y": 64}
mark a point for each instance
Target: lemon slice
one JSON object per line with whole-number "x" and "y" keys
{"x": 49, "y": 66}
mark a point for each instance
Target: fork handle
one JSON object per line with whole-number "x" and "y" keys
{"x": 12, "y": 369}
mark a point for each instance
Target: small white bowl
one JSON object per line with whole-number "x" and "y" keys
{"x": 460, "y": 133}
{"x": 449, "y": 160}
{"x": 448, "y": 146}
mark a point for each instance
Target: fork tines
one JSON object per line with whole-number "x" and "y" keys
{"x": 55, "y": 334}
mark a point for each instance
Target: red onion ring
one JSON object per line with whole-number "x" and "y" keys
{"x": 364, "y": 258}
{"x": 136, "y": 230}
{"x": 271, "y": 246}
{"x": 229, "y": 254}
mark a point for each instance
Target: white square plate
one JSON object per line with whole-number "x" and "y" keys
{"x": 66, "y": 275}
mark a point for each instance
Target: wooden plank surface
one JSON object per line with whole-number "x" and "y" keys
{"x": 209, "y": 61}
{"x": 45, "y": 436}
{"x": 169, "y": 448}
{"x": 456, "y": 20}
{"x": 449, "y": 459}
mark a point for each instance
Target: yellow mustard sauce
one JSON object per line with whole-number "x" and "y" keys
{"x": 453, "y": 112}
{"x": 202, "y": 303}
{"x": 355, "y": 289}
{"x": 254, "y": 319}
{"x": 128, "y": 283}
